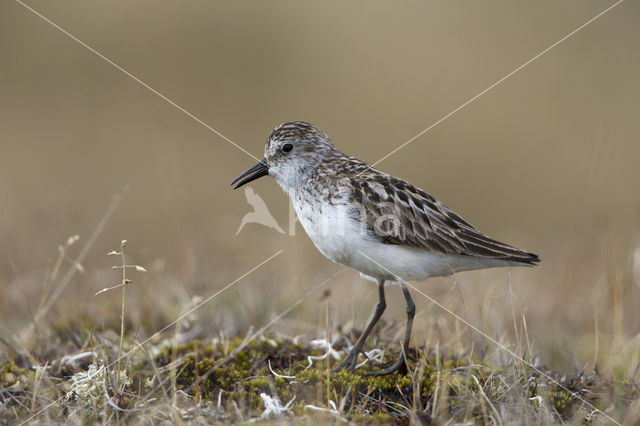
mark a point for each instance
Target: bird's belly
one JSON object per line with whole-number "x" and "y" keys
{"x": 343, "y": 239}
{"x": 395, "y": 262}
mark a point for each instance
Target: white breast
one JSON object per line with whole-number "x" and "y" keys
{"x": 329, "y": 227}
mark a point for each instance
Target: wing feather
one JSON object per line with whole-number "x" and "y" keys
{"x": 399, "y": 213}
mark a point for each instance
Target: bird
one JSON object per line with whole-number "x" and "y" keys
{"x": 260, "y": 213}
{"x": 384, "y": 227}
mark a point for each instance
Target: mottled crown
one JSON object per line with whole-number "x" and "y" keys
{"x": 293, "y": 131}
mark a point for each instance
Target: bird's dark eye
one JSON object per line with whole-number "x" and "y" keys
{"x": 287, "y": 147}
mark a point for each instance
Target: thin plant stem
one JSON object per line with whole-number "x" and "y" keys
{"x": 124, "y": 282}
{"x": 326, "y": 325}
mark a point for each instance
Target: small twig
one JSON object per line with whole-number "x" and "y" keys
{"x": 486, "y": 398}
{"x": 123, "y": 244}
{"x": 276, "y": 374}
{"x": 325, "y": 296}
{"x": 114, "y": 405}
{"x": 104, "y": 290}
{"x": 123, "y": 284}
{"x": 330, "y": 351}
{"x": 595, "y": 350}
{"x": 272, "y": 405}
{"x": 373, "y": 355}
{"x": 62, "y": 255}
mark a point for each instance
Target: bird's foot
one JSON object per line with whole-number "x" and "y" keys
{"x": 400, "y": 365}
{"x": 350, "y": 361}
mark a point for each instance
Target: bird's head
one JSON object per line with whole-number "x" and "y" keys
{"x": 292, "y": 151}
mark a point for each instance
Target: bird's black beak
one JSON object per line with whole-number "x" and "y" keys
{"x": 257, "y": 171}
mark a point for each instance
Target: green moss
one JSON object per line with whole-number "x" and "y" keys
{"x": 10, "y": 374}
{"x": 562, "y": 402}
{"x": 371, "y": 400}
{"x": 247, "y": 375}
{"x": 396, "y": 398}
{"x": 374, "y": 419}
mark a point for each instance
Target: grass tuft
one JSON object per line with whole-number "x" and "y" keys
{"x": 270, "y": 378}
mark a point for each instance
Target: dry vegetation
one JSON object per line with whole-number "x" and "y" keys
{"x": 80, "y": 372}
{"x": 272, "y": 379}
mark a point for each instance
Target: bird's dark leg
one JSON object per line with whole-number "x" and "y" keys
{"x": 401, "y": 363}
{"x": 350, "y": 361}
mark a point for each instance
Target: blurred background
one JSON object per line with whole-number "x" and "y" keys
{"x": 546, "y": 161}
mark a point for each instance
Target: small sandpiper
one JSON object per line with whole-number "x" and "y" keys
{"x": 378, "y": 224}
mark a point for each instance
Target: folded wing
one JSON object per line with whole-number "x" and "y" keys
{"x": 399, "y": 213}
